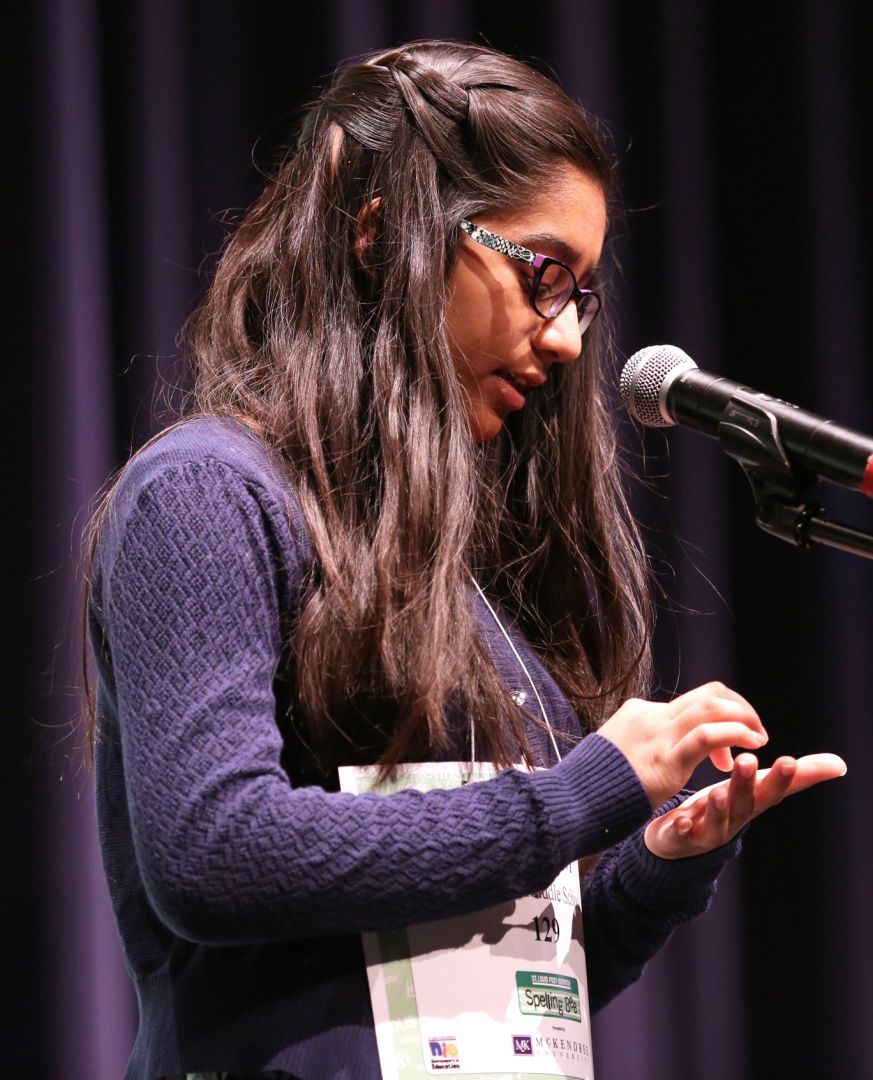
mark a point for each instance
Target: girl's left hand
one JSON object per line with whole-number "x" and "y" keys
{"x": 713, "y": 816}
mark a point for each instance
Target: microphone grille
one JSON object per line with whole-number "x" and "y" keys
{"x": 645, "y": 379}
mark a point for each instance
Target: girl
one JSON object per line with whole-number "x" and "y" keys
{"x": 392, "y": 531}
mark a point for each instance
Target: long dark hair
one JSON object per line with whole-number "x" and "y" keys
{"x": 336, "y": 352}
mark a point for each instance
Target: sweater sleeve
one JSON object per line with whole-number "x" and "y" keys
{"x": 228, "y": 851}
{"x": 633, "y": 900}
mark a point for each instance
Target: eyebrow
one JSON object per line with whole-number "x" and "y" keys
{"x": 556, "y": 248}
{"x": 547, "y": 243}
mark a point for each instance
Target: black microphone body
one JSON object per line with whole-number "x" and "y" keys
{"x": 661, "y": 386}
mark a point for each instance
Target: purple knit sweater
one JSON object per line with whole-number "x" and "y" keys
{"x": 240, "y": 877}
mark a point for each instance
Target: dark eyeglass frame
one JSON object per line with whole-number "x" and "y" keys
{"x": 588, "y": 302}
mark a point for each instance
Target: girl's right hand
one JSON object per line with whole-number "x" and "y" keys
{"x": 666, "y": 742}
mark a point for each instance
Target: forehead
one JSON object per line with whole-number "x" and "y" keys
{"x": 570, "y": 207}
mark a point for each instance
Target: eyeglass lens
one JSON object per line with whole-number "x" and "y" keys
{"x": 556, "y": 286}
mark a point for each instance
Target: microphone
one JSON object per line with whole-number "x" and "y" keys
{"x": 662, "y": 386}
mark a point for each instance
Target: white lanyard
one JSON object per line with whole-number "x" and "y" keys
{"x": 523, "y": 667}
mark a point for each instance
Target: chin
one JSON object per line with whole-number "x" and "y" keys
{"x": 485, "y": 430}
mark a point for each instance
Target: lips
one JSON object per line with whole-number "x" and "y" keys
{"x": 512, "y": 388}
{"x": 520, "y": 385}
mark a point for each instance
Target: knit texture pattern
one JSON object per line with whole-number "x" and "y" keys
{"x": 236, "y": 889}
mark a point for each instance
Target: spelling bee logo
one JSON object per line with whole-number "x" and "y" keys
{"x": 444, "y": 1054}
{"x": 542, "y": 994}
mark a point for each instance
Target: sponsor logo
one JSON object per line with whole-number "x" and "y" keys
{"x": 557, "y": 1048}
{"x": 444, "y": 1054}
{"x": 562, "y": 1048}
{"x": 543, "y": 994}
{"x": 522, "y": 1045}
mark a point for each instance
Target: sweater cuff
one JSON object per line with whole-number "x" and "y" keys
{"x": 678, "y": 887}
{"x": 593, "y": 797}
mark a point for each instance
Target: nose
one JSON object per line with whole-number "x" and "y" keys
{"x": 560, "y": 338}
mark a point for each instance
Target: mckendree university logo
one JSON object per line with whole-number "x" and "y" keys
{"x": 522, "y": 1045}
{"x": 444, "y": 1054}
{"x": 559, "y": 1047}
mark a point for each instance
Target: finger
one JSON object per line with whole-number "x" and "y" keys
{"x": 722, "y": 759}
{"x": 718, "y": 705}
{"x": 712, "y": 689}
{"x": 710, "y": 703}
{"x": 690, "y": 812}
{"x": 806, "y": 771}
{"x": 683, "y": 826}
{"x": 669, "y": 836}
{"x": 741, "y": 791}
{"x": 716, "y": 818}
{"x": 696, "y": 802}
{"x": 702, "y": 740}
{"x": 810, "y": 769}
{"x": 773, "y": 784}
{"x": 816, "y": 768}
{"x": 699, "y": 824}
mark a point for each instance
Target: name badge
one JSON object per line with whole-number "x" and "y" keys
{"x": 500, "y": 992}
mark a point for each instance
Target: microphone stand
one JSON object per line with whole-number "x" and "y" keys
{"x": 749, "y": 433}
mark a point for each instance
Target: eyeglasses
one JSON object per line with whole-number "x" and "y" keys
{"x": 553, "y": 284}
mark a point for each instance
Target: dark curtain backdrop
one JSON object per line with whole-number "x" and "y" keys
{"x": 138, "y": 129}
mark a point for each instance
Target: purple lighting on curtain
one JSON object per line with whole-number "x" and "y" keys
{"x": 91, "y": 1026}
{"x": 358, "y": 27}
{"x": 844, "y": 389}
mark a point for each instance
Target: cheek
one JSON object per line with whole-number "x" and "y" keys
{"x": 477, "y": 346}
{"x": 470, "y": 316}
{"x": 461, "y": 329}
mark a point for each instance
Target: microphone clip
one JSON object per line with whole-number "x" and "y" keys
{"x": 749, "y": 433}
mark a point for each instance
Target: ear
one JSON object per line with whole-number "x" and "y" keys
{"x": 365, "y": 230}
